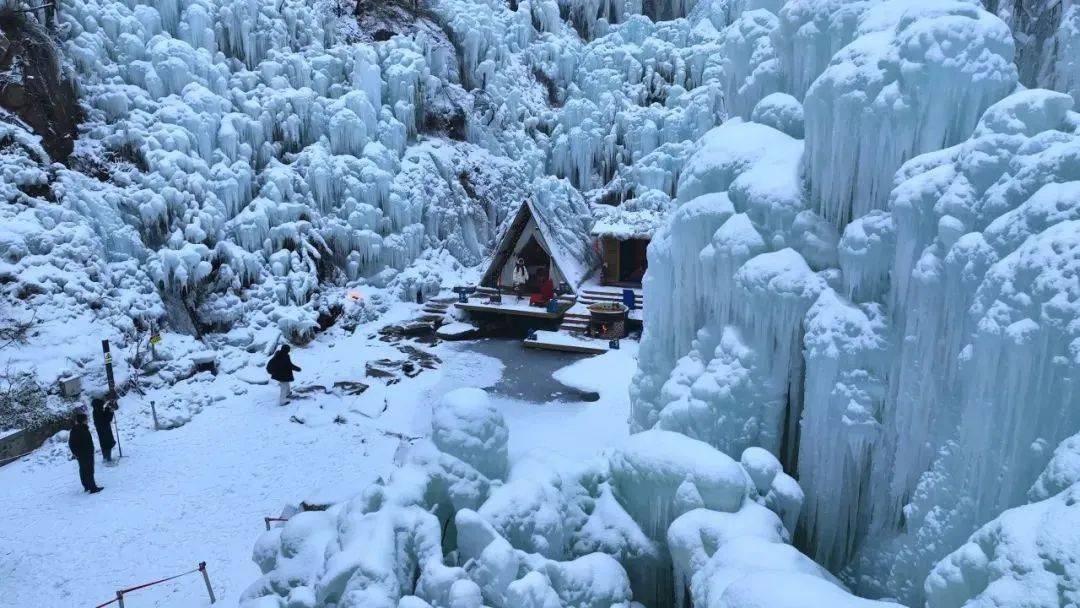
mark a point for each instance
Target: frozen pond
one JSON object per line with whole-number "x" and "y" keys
{"x": 527, "y": 372}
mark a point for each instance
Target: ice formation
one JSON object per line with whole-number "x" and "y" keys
{"x": 863, "y": 275}
{"x": 892, "y": 311}
{"x": 1027, "y": 555}
{"x": 660, "y": 513}
{"x": 915, "y": 79}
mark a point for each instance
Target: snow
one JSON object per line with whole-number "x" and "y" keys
{"x": 594, "y": 374}
{"x": 862, "y": 283}
{"x": 153, "y": 514}
{"x": 622, "y": 224}
{"x": 186, "y": 495}
{"x": 1027, "y": 555}
{"x": 456, "y": 330}
{"x": 465, "y": 424}
{"x": 561, "y": 532}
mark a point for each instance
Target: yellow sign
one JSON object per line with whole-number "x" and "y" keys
{"x": 155, "y": 339}
{"x": 108, "y": 358}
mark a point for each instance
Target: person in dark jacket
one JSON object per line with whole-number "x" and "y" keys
{"x": 281, "y": 368}
{"x": 103, "y": 417}
{"x": 81, "y": 445}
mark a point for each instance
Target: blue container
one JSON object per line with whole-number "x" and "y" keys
{"x": 628, "y": 299}
{"x": 553, "y": 305}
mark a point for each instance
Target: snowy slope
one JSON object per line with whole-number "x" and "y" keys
{"x": 200, "y": 491}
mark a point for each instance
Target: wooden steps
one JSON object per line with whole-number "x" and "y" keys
{"x": 434, "y": 311}
{"x": 594, "y": 295}
{"x": 576, "y": 320}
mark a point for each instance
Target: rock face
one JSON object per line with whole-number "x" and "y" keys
{"x": 32, "y": 86}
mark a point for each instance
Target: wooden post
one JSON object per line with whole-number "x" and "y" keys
{"x": 153, "y": 412}
{"x": 109, "y": 368}
{"x": 120, "y": 599}
{"x": 206, "y": 579}
{"x": 266, "y": 520}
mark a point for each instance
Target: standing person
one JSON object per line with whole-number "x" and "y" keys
{"x": 81, "y": 445}
{"x": 103, "y": 417}
{"x": 281, "y": 368}
{"x": 521, "y": 276}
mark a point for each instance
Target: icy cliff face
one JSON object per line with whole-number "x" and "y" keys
{"x": 252, "y": 156}
{"x": 1027, "y": 555}
{"x": 893, "y": 310}
{"x": 1046, "y": 38}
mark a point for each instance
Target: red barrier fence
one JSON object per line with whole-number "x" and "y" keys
{"x": 120, "y": 593}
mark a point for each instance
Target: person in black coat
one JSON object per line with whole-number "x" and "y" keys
{"x": 281, "y": 368}
{"x": 81, "y": 445}
{"x": 103, "y": 417}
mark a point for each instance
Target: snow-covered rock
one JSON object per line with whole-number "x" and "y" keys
{"x": 466, "y": 425}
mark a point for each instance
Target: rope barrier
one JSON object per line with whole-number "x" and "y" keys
{"x": 11, "y": 459}
{"x": 121, "y": 592}
{"x": 157, "y": 582}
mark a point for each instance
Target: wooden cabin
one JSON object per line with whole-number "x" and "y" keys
{"x": 623, "y": 261}
{"x": 622, "y": 238}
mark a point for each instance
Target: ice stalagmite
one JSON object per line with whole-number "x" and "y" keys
{"x": 734, "y": 269}
{"x": 846, "y": 350}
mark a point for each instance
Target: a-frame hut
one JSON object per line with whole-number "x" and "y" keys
{"x": 546, "y": 247}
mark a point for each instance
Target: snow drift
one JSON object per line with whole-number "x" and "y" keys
{"x": 660, "y": 513}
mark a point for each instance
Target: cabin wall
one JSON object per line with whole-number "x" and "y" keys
{"x": 609, "y": 251}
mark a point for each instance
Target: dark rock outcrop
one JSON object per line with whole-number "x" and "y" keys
{"x": 33, "y": 86}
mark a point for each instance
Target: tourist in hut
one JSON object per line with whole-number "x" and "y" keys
{"x": 547, "y": 292}
{"x": 521, "y": 277}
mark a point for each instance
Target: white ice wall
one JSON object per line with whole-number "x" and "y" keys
{"x": 927, "y": 310}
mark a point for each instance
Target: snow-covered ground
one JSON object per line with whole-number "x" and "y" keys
{"x": 199, "y": 492}
{"x": 864, "y": 276}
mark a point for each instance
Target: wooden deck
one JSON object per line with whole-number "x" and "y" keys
{"x": 567, "y": 343}
{"x": 510, "y": 306}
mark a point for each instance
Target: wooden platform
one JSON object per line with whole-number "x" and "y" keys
{"x": 511, "y": 308}
{"x": 567, "y": 343}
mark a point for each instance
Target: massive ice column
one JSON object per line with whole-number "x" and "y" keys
{"x": 916, "y": 79}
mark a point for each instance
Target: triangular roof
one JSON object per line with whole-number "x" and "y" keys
{"x": 570, "y": 266}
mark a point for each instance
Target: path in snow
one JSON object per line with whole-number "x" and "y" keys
{"x": 200, "y": 492}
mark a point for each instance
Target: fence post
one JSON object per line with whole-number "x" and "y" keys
{"x": 120, "y": 599}
{"x": 266, "y": 520}
{"x": 206, "y": 579}
{"x": 153, "y": 412}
